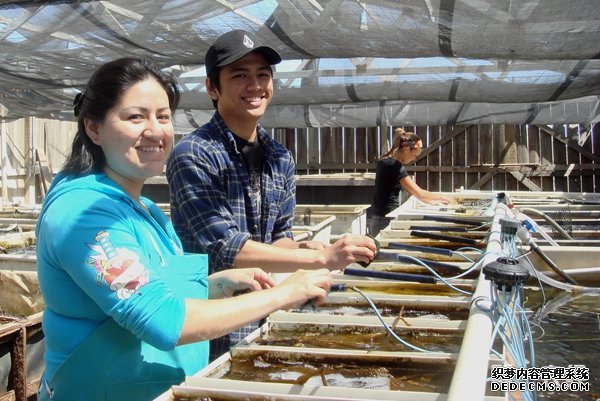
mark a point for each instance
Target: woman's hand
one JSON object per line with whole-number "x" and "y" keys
{"x": 227, "y": 283}
{"x": 303, "y": 286}
{"x": 436, "y": 200}
{"x": 432, "y": 198}
{"x": 206, "y": 319}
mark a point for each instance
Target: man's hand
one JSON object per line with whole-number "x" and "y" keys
{"x": 316, "y": 245}
{"x": 350, "y": 248}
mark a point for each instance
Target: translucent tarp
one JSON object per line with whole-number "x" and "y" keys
{"x": 347, "y": 62}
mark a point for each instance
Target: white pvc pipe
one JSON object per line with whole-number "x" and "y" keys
{"x": 470, "y": 374}
{"x": 3, "y": 160}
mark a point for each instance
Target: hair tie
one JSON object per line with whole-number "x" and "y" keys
{"x": 77, "y": 103}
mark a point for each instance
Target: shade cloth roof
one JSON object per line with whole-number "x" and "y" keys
{"x": 347, "y": 62}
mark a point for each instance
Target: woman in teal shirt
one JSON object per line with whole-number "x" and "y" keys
{"x": 127, "y": 312}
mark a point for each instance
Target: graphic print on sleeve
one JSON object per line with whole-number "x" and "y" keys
{"x": 119, "y": 267}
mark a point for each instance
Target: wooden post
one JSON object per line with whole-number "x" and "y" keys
{"x": 459, "y": 144}
{"x": 44, "y": 170}
{"x": 486, "y": 156}
{"x": 29, "y": 183}
{"x": 510, "y": 155}
{"x": 18, "y": 373}
{"x": 447, "y": 183}
{"x": 559, "y": 156}
{"x": 328, "y": 149}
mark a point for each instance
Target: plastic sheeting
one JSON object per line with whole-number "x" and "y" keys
{"x": 347, "y": 62}
{"x": 20, "y": 293}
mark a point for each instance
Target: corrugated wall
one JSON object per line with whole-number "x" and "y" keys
{"x": 489, "y": 157}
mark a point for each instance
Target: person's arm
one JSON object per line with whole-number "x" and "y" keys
{"x": 423, "y": 195}
{"x": 285, "y": 255}
{"x": 227, "y": 283}
{"x": 308, "y": 244}
{"x": 207, "y": 319}
{"x": 104, "y": 250}
{"x": 348, "y": 249}
{"x": 93, "y": 265}
{"x": 204, "y": 206}
{"x": 198, "y": 176}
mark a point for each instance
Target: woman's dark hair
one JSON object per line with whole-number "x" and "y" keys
{"x": 103, "y": 92}
{"x": 402, "y": 139}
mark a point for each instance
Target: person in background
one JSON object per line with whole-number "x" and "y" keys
{"x": 127, "y": 313}
{"x": 391, "y": 177}
{"x": 233, "y": 187}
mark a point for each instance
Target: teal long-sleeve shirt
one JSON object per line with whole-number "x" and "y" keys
{"x": 102, "y": 255}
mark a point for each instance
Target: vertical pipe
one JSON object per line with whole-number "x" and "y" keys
{"x": 3, "y": 155}
{"x": 470, "y": 374}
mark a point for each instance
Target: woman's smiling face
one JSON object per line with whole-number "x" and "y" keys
{"x": 136, "y": 135}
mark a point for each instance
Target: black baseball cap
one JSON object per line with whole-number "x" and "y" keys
{"x": 234, "y": 45}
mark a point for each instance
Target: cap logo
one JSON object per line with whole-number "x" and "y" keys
{"x": 248, "y": 42}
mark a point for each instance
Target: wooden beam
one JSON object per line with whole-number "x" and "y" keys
{"x": 8, "y": 396}
{"x": 527, "y": 169}
{"x": 44, "y": 170}
{"x": 29, "y": 187}
{"x": 524, "y": 180}
{"x": 484, "y": 180}
{"x": 437, "y": 144}
{"x": 584, "y": 136}
{"x": 15, "y": 333}
{"x": 573, "y": 145}
{"x": 18, "y": 372}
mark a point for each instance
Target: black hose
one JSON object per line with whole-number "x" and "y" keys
{"x": 550, "y": 220}
{"x": 419, "y": 278}
{"x": 460, "y": 240}
{"x": 441, "y": 229}
{"x": 420, "y": 248}
{"x": 431, "y": 263}
{"x": 452, "y": 220}
{"x": 550, "y": 262}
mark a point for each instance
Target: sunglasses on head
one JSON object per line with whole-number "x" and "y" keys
{"x": 412, "y": 146}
